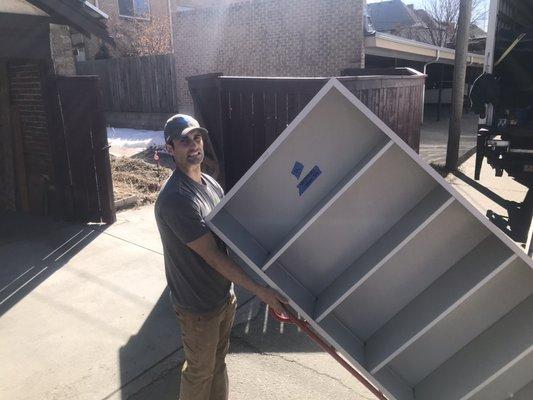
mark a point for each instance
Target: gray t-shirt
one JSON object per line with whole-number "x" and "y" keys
{"x": 180, "y": 212}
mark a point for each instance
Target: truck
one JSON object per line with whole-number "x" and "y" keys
{"x": 503, "y": 94}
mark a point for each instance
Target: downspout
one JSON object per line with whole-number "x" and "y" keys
{"x": 424, "y": 89}
{"x": 489, "y": 53}
{"x": 171, "y": 26}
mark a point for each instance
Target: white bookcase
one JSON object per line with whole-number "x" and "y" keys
{"x": 386, "y": 261}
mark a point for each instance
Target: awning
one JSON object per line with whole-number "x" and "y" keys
{"x": 385, "y": 45}
{"x": 79, "y": 14}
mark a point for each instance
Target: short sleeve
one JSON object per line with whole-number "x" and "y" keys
{"x": 184, "y": 219}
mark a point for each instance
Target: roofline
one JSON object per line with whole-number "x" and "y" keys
{"x": 370, "y": 42}
{"x": 95, "y": 9}
{"x": 72, "y": 13}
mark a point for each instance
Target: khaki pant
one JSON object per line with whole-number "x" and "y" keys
{"x": 205, "y": 339}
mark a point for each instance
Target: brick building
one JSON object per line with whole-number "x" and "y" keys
{"x": 123, "y": 15}
{"x": 268, "y": 38}
{"x": 184, "y": 4}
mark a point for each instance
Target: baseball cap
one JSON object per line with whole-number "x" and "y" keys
{"x": 179, "y": 125}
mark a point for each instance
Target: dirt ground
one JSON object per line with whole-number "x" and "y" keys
{"x": 139, "y": 176}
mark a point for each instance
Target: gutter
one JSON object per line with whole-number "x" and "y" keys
{"x": 424, "y": 90}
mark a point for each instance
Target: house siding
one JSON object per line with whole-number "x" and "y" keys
{"x": 158, "y": 9}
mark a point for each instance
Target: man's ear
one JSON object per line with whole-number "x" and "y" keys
{"x": 169, "y": 148}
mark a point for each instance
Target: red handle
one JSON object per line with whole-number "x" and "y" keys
{"x": 280, "y": 317}
{"x": 304, "y": 325}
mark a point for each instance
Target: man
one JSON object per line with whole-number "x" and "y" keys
{"x": 198, "y": 270}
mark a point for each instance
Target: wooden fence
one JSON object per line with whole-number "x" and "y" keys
{"x": 86, "y": 156}
{"x": 244, "y": 115}
{"x": 139, "y": 84}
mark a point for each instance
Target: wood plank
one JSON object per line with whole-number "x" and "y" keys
{"x": 224, "y": 117}
{"x": 58, "y": 144}
{"x": 8, "y": 142}
{"x": 383, "y": 250}
{"x": 442, "y": 298}
{"x": 270, "y": 118}
{"x": 281, "y": 112}
{"x": 258, "y": 122}
{"x": 136, "y": 84}
{"x": 239, "y": 160}
{"x": 491, "y": 354}
{"x": 78, "y": 130}
{"x": 328, "y": 201}
{"x": 402, "y": 114}
{"x": 102, "y": 165}
{"x": 247, "y": 132}
{"x": 293, "y": 108}
{"x": 18, "y": 156}
{"x": 119, "y": 85}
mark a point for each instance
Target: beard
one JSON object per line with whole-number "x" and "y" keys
{"x": 195, "y": 159}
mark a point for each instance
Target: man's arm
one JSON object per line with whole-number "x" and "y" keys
{"x": 205, "y": 246}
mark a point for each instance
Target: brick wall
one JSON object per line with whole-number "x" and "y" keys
{"x": 268, "y": 38}
{"x": 26, "y": 94}
{"x": 159, "y": 9}
{"x": 204, "y": 3}
{"x": 61, "y": 47}
{"x": 7, "y": 173}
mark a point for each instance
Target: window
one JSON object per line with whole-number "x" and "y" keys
{"x": 134, "y": 8}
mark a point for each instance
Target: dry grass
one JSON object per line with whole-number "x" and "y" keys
{"x": 136, "y": 177}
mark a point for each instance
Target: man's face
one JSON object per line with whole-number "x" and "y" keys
{"x": 189, "y": 149}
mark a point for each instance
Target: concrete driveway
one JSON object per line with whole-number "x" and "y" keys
{"x": 434, "y": 135}
{"x": 84, "y": 314}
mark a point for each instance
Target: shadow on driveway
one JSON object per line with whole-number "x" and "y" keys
{"x": 517, "y": 222}
{"x": 261, "y": 334}
{"x": 34, "y": 248}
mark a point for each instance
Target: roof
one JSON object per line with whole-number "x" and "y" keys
{"x": 386, "y": 45}
{"x": 390, "y": 15}
{"x": 476, "y": 32}
{"x": 79, "y": 14}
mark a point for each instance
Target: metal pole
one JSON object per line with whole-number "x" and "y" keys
{"x": 459, "y": 74}
{"x": 437, "y": 57}
{"x": 439, "y": 104}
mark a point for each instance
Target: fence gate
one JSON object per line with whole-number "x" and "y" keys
{"x": 87, "y": 150}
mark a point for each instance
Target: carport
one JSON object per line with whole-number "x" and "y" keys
{"x": 383, "y": 50}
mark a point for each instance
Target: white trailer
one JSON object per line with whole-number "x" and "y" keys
{"x": 503, "y": 95}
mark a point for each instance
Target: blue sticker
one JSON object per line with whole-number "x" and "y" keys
{"x": 297, "y": 169}
{"x": 309, "y": 179}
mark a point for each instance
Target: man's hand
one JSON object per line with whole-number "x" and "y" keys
{"x": 274, "y": 300}
{"x": 206, "y": 247}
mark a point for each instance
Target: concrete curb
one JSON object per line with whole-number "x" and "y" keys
{"x": 126, "y": 202}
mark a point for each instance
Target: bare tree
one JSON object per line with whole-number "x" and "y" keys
{"x": 441, "y": 19}
{"x": 141, "y": 37}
